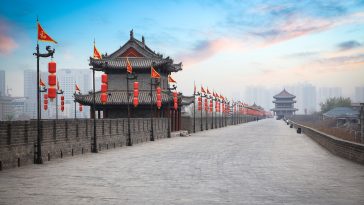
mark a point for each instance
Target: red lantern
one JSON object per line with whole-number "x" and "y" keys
{"x": 104, "y": 78}
{"x": 45, "y": 106}
{"x": 45, "y": 101}
{"x": 159, "y": 104}
{"x": 175, "y": 106}
{"x": 136, "y": 85}
{"x": 159, "y": 97}
{"x": 206, "y": 105}
{"x": 103, "y": 98}
{"x": 52, "y": 93}
{"x": 104, "y": 88}
{"x": 80, "y": 107}
{"x": 211, "y": 106}
{"x": 52, "y": 67}
{"x": 199, "y": 103}
{"x": 135, "y": 101}
{"x": 136, "y": 93}
{"x": 52, "y": 80}
{"x": 45, "y": 96}
{"x": 158, "y": 90}
{"x": 175, "y": 94}
{"x": 62, "y": 103}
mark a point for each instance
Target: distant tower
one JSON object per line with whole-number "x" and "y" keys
{"x": 284, "y": 104}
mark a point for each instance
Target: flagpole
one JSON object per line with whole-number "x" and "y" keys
{"x": 194, "y": 107}
{"x": 38, "y": 149}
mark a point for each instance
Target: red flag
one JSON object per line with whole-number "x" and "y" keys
{"x": 202, "y": 90}
{"x": 57, "y": 84}
{"x": 129, "y": 69}
{"x": 43, "y": 36}
{"x": 208, "y": 92}
{"x": 97, "y": 54}
{"x": 78, "y": 88}
{"x": 154, "y": 73}
{"x": 171, "y": 80}
{"x": 41, "y": 83}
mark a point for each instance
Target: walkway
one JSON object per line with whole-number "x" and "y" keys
{"x": 262, "y": 162}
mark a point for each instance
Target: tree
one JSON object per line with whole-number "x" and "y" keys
{"x": 335, "y": 102}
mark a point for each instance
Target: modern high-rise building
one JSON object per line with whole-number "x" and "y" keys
{"x": 328, "y": 92}
{"x": 359, "y": 94}
{"x": 67, "y": 80}
{"x": 2, "y": 83}
{"x": 260, "y": 96}
{"x": 305, "y": 96}
{"x": 30, "y": 93}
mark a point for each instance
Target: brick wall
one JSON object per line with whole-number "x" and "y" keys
{"x": 349, "y": 150}
{"x": 187, "y": 122}
{"x": 70, "y": 137}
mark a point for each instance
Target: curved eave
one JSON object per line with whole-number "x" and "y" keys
{"x": 136, "y": 63}
{"x": 284, "y": 101}
{"x": 120, "y": 98}
{"x": 284, "y": 109}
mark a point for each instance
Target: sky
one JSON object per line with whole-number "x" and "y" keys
{"x": 226, "y": 45}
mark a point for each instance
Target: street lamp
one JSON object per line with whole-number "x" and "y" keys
{"x": 59, "y": 92}
{"x": 174, "y": 87}
{"x": 50, "y": 52}
{"x": 207, "y": 97}
{"x": 129, "y": 76}
{"x": 156, "y": 82}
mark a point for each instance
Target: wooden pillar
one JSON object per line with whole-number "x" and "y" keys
{"x": 98, "y": 114}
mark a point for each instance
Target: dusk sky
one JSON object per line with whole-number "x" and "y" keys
{"x": 225, "y": 45}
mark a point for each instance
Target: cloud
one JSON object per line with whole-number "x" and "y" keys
{"x": 347, "y": 45}
{"x": 7, "y": 43}
{"x": 205, "y": 49}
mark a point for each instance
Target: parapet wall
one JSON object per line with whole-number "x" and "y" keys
{"x": 209, "y": 122}
{"x": 343, "y": 148}
{"x": 70, "y": 137}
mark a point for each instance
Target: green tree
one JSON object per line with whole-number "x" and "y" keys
{"x": 335, "y": 102}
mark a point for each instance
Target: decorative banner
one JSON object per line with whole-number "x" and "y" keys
{"x": 154, "y": 73}
{"x": 129, "y": 69}
{"x": 41, "y": 83}
{"x": 97, "y": 54}
{"x": 171, "y": 80}
{"x": 43, "y": 36}
{"x": 202, "y": 90}
{"x": 77, "y": 88}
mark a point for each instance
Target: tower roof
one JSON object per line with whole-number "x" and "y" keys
{"x": 140, "y": 57}
{"x": 284, "y": 94}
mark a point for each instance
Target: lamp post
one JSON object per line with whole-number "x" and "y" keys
{"x": 194, "y": 109}
{"x": 207, "y": 97}
{"x": 156, "y": 82}
{"x": 129, "y": 76}
{"x": 74, "y": 96}
{"x": 174, "y": 87}
{"x": 94, "y": 144}
{"x": 50, "y": 52}
{"x": 59, "y": 92}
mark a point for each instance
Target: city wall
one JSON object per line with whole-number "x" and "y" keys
{"x": 62, "y": 138}
{"x": 343, "y": 148}
{"x": 216, "y": 122}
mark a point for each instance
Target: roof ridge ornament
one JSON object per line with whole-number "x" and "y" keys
{"x": 131, "y": 34}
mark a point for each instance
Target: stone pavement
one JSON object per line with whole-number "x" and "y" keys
{"x": 262, "y": 162}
